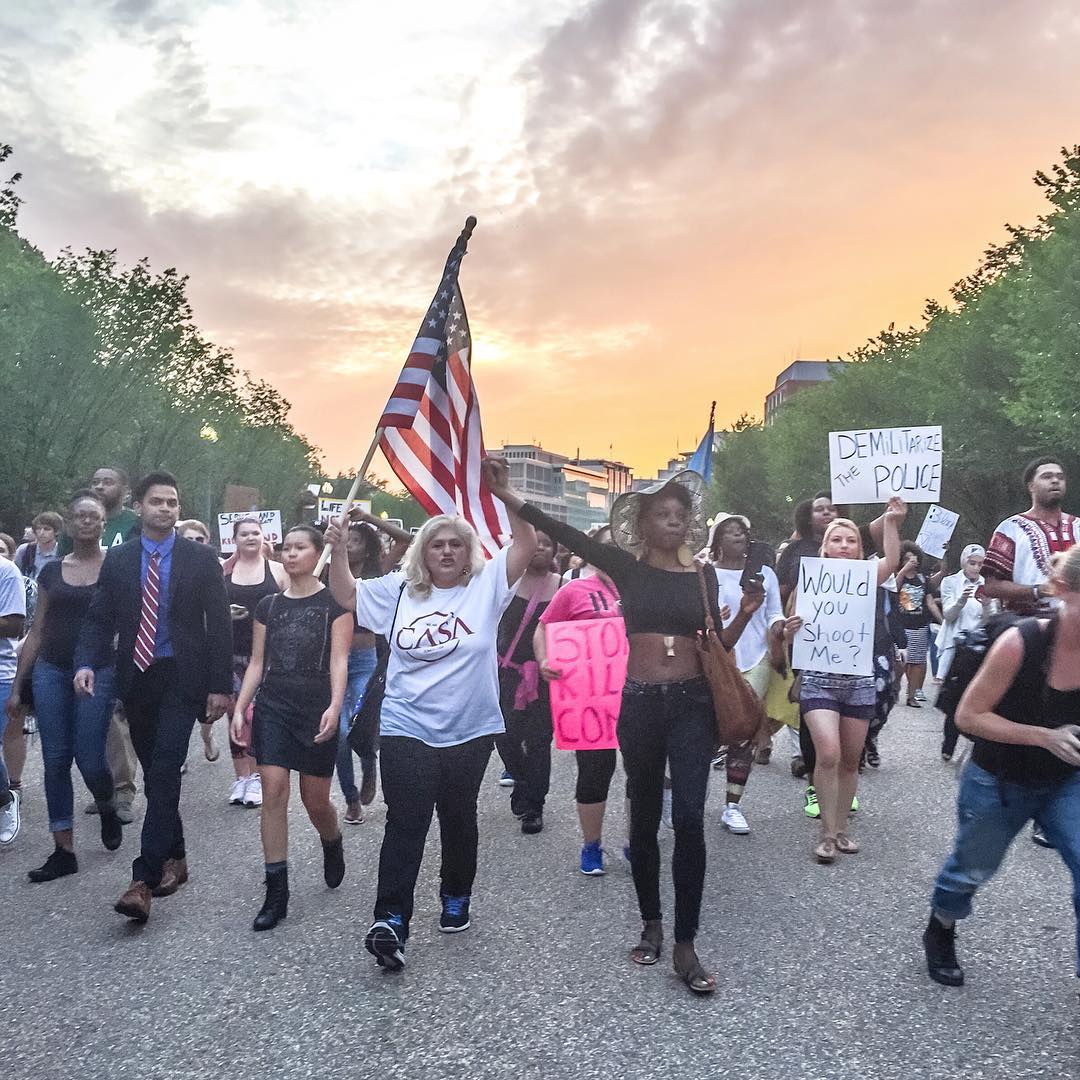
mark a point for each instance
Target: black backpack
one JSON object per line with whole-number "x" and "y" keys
{"x": 970, "y": 649}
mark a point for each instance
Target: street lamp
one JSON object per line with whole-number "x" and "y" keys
{"x": 208, "y": 433}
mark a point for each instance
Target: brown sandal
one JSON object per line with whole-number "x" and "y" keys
{"x": 698, "y": 979}
{"x": 647, "y": 951}
{"x": 845, "y": 845}
{"x": 825, "y": 852}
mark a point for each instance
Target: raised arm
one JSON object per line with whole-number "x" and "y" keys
{"x": 894, "y": 514}
{"x": 399, "y": 538}
{"x": 341, "y": 582}
{"x": 496, "y": 473}
{"x": 612, "y": 560}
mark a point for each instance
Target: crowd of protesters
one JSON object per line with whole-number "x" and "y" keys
{"x": 122, "y": 630}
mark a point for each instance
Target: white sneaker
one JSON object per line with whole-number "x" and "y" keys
{"x": 665, "y": 810}
{"x": 733, "y": 820}
{"x": 236, "y": 794}
{"x": 253, "y": 791}
{"x": 10, "y": 819}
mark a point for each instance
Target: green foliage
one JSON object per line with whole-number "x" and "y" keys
{"x": 101, "y": 364}
{"x": 998, "y": 370}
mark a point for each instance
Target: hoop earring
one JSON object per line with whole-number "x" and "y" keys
{"x": 685, "y": 556}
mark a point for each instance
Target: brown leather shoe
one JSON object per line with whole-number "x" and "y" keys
{"x": 173, "y": 875}
{"x": 135, "y": 903}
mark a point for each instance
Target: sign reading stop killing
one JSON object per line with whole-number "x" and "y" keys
{"x": 836, "y": 601}
{"x": 591, "y": 656}
{"x": 872, "y": 465}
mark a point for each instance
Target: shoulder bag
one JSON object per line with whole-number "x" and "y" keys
{"x": 739, "y": 712}
{"x": 365, "y": 721}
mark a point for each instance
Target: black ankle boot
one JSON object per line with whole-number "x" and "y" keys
{"x": 940, "y": 944}
{"x": 59, "y": 864}
{"x": 276, "y": 905}
{"x": 112, "y": 828}
{"x": 333, "y": 862}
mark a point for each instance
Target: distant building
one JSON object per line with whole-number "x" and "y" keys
{"x": 577, "y": 491}
{"x": 795, "y": 377}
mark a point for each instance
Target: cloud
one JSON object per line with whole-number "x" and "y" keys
{"x": 675, "y": 198}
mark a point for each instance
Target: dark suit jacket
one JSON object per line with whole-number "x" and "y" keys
{"x": 200, "y": 627}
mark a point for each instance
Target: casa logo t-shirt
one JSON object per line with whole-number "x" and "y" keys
{"x": 442, "y": 684}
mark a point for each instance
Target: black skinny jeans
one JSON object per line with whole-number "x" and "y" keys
{"x": 525, "y": 749}
{"x": 672, "y": 724}
{"x": 417, "y": 779}
{"x": 161, "y": 719}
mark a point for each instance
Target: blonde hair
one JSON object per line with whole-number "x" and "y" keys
{"x": 841, "y": 523}
{"x": 193, "y": 525}
{"x": 417, "y": 575}
{"x": 1066, "y": 568}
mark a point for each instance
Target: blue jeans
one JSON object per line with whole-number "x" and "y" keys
{"x": 991, "y": 813}
{"x": 361, "y": 667}
{"x": 73, "y": 728}
{"x": 5, "y": 780}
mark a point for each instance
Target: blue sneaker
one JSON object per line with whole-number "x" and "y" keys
{"x": 386, "y": 942}
{"x": 506, "y": 780}
{"x": 455, "y": 914}
{"x": 592, "y": 859}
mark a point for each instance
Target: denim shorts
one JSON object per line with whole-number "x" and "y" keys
{"x": 848, "y": 695}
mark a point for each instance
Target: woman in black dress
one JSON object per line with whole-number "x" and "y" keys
{"x": 299, "y": 658}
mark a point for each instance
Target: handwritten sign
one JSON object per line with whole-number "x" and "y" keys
{"x": 332, "y": 509}
{"x": 872, "y": 465}
{"x": 837, "y": 600}
{"x": 937, "y": 529}
{"x": 270, "y": 520}
{"x": 591, "y": 655}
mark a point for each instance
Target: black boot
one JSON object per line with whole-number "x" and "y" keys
{"x": 59, "y": 864}
{"x": 276, "y": 905}
{"x": 333, "y": 861}
{"x": 940, "y": 944}
{"x": 112, "y": 828}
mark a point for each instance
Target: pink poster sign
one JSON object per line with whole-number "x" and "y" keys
{"x": 591, "y": 656}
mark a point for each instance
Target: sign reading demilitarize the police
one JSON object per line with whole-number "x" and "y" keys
{"x": 872, "y": 465}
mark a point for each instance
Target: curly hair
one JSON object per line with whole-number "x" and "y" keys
{"x": 417, "y": 576}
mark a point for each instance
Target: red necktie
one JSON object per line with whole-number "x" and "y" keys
{"x": 144, "y": 641}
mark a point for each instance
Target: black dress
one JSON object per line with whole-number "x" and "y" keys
{"x": 295, "y": 688}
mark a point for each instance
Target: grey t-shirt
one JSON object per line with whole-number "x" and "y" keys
{"x": 12, "y": 602}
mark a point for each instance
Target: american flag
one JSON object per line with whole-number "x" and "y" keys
{"x": 432, "y": 436}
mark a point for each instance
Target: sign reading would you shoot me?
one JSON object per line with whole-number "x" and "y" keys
{"x": 872, "y": 465}
{"x": 837, "y": 600}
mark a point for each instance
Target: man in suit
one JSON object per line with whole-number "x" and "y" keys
{"x": 164, "y": 598}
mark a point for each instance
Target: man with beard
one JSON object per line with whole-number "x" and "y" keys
{"x": 1017, "y": 565}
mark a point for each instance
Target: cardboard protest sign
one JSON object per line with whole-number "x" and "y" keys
{"x": 872, "y": 465}
{"x": 837, "y": 599}
{"x": 332, "y": 509}
{"x": 937, "y": 529}
{"x": 591, "y": 655}
{"x": 270, "y": 520}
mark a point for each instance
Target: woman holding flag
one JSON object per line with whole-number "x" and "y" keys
{"x": 440, "y": 713}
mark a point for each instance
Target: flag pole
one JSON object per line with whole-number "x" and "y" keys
{"x": 343, "y": 522}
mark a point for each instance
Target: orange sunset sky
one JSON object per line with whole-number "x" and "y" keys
{"x": 675, "y": 199}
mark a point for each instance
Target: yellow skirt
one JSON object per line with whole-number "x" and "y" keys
{"x": 777, "y": 705}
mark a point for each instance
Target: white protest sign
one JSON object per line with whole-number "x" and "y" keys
{"x": 837, "y": 600}
{"x": 936, "y": 531}
{"x": 872, "y": 465}
{"x": 270, "y": 520}
{"x": 332, "y": 509}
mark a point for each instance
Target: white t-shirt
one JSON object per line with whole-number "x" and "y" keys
{"x": 753, "y": 644}
{"x": 12, "y": 602}
{"x": 442, "y": 682}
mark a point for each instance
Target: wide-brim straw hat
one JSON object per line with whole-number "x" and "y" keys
{"x": 625, "y": 510}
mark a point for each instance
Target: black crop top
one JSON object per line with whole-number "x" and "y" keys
{"x": 1030, "y": 700}
{"x": 654, "y": 601}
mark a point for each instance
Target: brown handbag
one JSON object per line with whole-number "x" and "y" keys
{"x": 740, "y": 715}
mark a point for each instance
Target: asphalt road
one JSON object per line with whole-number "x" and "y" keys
{"x": 821, "y": 968}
